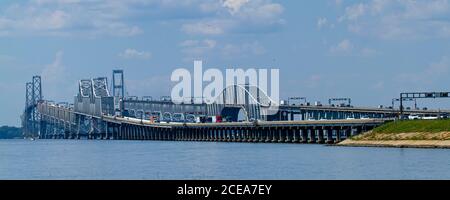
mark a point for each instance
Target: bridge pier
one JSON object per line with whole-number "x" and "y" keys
{"x": 274, "y": 135}
{"x": 253, "y": 134}
{"x": 257, "y": 134}
{"x": 288, "y": 135}
{"x": 238, "y": 134}
{"x": 260, "y": 138}
{"x": 347, "y": 132}
{"x": 338, "y": 135}
{"x": 248, "y": 135}
{"x": 312, "y": 135}
{"x": 330, "y": 139}
{"x": 320, "y": 139}
{"x": 304, "y": 134}
{"x": 281, "y": 134}
{"x": 295, "y": 135}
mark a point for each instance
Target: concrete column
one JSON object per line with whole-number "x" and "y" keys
{"x": 225, "y": 135}
{"x": 237, "y": 134}
{"x": 320, "y": 135}
{"x": 196, "y": 134}
{"x": 200, "y": 134}
{"x": 160, "y": 134}
{"x": 187, "y": 134}
{"x": 213, "y": 135}
{"x": 304, "y": 134}
{"x": 218, "y": 134}
{"x": 275, "y": 134}
{"x": 233, "y": 134}
{"x": 145, "y": 132}
{"x": 206, "y": 134}
{"x": 130, "y": 132}
{"x": 251, "y": 134}
{"x": 330, "y": 135}
{"x": 338, "y": 135}
{"x": 261, "y": 135}
{"x": 268, "y": 135}
{"x": 288, "y": 134}
{"x": 170, "y": 136}
{"x": 281, "y": 135}
{"x": 257, "y": 134}
{"x": 347, "y": 132}
{"x": 295, "y": 135}
{"x": 140, "y": 133}
{"x": 312, "y": 135}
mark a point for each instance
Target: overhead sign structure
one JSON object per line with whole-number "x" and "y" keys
{"x": 421, "y": 95}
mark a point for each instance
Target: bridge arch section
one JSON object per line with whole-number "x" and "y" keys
{"x": 254, "y": 102}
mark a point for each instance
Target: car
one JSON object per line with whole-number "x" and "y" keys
{"x": 414, "y": 117}
{"x": 430, "y": 117}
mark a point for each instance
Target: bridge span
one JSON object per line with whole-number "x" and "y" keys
{"x": 96, "y": 114}
{"x": 63, "y": 123}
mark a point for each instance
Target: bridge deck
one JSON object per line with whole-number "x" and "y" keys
{"x": 134, "y": 121}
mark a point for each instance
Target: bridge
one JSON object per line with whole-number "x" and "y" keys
{"x": 249, "y": 113}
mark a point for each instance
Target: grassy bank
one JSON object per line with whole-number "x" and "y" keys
{"x": 406, "y": 133}
{"x": 409, "y": 130}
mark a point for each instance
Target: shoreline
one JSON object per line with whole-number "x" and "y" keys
{"x": 429, "y": 144}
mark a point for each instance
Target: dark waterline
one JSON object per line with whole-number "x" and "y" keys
{"x": 93, "y": 159}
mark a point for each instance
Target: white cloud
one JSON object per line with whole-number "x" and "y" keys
{"x": 135, "y": 54}
{"x": 354, "y": 12}
{"x": 313, "y": 81}
{"x": 343, "y": 47}
{"x": 399, "y": 19}
{"x": 240, "y": 50}
{"x": 243, "y": 16}
{"x": 197, "y": 49}
{"x": 204, "y": 28}
{"x": 348, "y": 48}
{"x": 202, "y": 49}
{"x": 435, "y": 71}
{"x": 234, "y": 5}
{"x": 70, "y": 18}
{"x": 439, "y": 68}
{"x": 95, "y": 18}
{"x": 321, "y": 22}
{"x": 54, "y": 72}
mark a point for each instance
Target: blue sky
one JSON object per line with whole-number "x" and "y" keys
{"x": 367, "y": 50}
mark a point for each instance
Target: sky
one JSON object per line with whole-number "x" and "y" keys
{"x": 368, "y": 50}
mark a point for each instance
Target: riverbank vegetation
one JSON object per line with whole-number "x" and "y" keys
{"x": 409, "y": 130}
{"x": 9, "y": 132}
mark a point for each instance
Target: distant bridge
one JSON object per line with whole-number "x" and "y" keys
{"x": 96, "y": 114}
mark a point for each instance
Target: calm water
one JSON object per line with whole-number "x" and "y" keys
{"x": 70, "y": 159}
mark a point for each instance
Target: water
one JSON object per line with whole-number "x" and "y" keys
{"x": 82, "y": 159}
